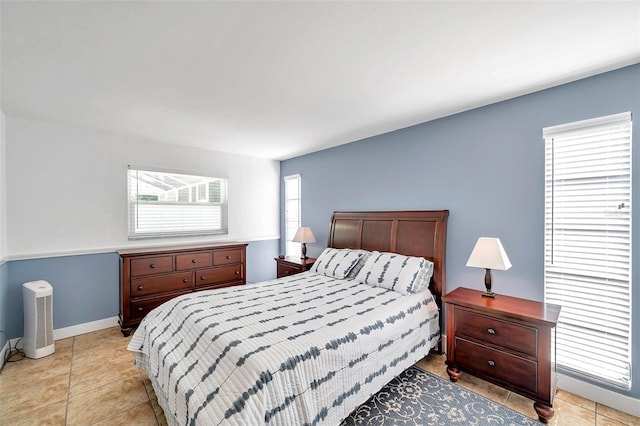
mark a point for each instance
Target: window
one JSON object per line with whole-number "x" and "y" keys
{"x": 292, "y": 212}
{"x": 588, "y": 245}
{"x": 165, "y": 204}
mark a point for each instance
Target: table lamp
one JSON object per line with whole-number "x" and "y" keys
{"x": 304, "y": 236}
{"x": 488, "y": 253}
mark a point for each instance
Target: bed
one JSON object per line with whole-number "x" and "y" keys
{"x": 308, "y": 348}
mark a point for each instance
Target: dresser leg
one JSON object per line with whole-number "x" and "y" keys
{"x": 544, "y": 412}
{"x": 454, "y": 373}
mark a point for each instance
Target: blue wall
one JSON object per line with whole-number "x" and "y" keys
{"x": 4, "y": 312}
{"x": 86, "y": 287}
{"x": 486, "y": 166}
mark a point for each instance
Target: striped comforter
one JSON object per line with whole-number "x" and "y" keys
{"x": 306, "y": 349}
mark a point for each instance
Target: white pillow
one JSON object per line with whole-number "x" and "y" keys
{"x": 354, "y": 271}
{"x": 404, "y": 274}
{"x": 338, "y": 263}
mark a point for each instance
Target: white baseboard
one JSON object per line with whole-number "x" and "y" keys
{"x": 603, "y": 396}
{"x": 87, "y": 327}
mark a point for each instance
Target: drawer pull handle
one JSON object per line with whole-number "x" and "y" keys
{"x": 193, "y": 261}
{"x": 139, "y": 287}
{"x": 491, "y": 331}
{"x": 152, "y": 266}
{"x": 140, "y": 309}
{"x": 237, "y": 272}
{"x": 184, "y": 280}
{"x": 203, "y": 278}
{"x": 228, "y": 257}
{"x": 491, "y": 363}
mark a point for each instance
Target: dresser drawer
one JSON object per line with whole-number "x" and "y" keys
{"x": 219, "y": 275}
{"x": 500, "y": 333}
{"x": 193, "y": 260}
{"x": 151, "y": 265}
{"x": 218, "y": 285}
{"x": 161, "y": 284}
{"x": 140, "y": 308}
{"x": 497, "y": 365}
{"x": 225, "y": 257}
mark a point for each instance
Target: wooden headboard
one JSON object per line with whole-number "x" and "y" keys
{"x": 412, "y": 233}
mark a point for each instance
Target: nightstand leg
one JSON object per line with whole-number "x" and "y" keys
{"x": 454, "y": 373}
{"x": 544, "y": 412}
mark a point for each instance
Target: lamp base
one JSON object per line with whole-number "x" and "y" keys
{"x": 487, "y": 284}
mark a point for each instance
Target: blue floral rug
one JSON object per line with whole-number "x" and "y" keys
{"x": 417, "y": 397}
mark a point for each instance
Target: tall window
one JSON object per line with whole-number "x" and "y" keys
{"x": 292, "y": 212}
{"x": 588, "y": 245}
{"x": 165, "y": 204}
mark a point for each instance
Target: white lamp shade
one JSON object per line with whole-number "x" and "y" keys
{"x": 304, "y": 235}
{"x": 488, "y": 253}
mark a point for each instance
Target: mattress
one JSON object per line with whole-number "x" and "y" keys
{"x": 305, "y": 349}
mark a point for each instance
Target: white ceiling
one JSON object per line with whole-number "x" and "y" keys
{"x": 280, "y": 79}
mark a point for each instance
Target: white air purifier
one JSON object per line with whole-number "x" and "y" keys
{"x": 38, "y": 319}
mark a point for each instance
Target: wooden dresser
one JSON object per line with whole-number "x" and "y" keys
{"x": 149, "y": 277}
{"x": 507, "y": 341}
{"x": 292, "y": 265}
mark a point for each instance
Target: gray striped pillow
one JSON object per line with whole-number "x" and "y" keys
{"x": 338, "y": 263}
{"x": 404, "y": 274}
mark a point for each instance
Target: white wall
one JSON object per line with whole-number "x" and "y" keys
{"x": 3, "y": 189}
{"x": 67, "y": 188}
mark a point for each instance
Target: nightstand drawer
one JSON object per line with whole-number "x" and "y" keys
{"x": 497, "y": 332}
{"x": 286, "y": 270}
{"x": 292, "y": 265}
{"x": 484, "y": 361}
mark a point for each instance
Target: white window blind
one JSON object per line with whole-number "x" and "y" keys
{"x": 292, "y": 213}
{"x": 163, "y": 204}
{"x": 588, "y": 245}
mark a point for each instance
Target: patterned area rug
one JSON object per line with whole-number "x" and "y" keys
{"x": 417, "y": 397}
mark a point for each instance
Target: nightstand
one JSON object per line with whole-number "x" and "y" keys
{"x": 293, "y": 265}
{"x": 507, "y": 341}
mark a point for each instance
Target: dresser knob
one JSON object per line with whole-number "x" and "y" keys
{"x": 193, "y": 261}
{"x": 203, "y": 278}
{"x": 228, "y": 257}
{"x": 237, "y": 272}
{"x": 491, "y": 363}
{"x": 139, "y": 287}
{"x": 140, "y": 309}
{"x": 152, "y": 266}
{"x": 491, "y": 331}
{"x": 184, "y": 280}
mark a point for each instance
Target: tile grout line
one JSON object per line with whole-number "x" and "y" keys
{"x": 66, "y": 408}
{"x": 148, "y": 397}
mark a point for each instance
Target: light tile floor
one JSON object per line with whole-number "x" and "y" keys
{"x": 91, "y": 380}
